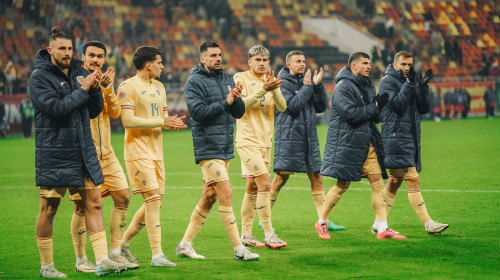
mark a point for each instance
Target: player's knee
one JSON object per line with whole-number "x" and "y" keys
{"x": 374, "y": 178}
{"x": 79, "y": 206}
{"x": 413, "y": 184}
{"x": 94, "y": 203}
{"x": 122, "y": 201}
{"x": 343, "y": 186}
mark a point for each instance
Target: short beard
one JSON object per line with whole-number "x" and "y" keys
{"x": 60, "y": 64}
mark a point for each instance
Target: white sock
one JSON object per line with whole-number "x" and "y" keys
{"x": 125, "y": 244}
{"x": 114, "y": 252}
{"x": 322, "y": 221}
{"x": 428, "y": 222}
{"x": 239, "y": 248}
{"x": 81, "y": 259}
{"x": 185, "y": 244}
{"x": 156, "y": 256}
{"x": 267, "y": 235}
{"x": 45, "y": 266}
{"x": 381, "y": 226}
{"x": 103, "y": 259}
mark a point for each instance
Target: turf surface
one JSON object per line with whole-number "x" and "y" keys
{"x": 460, "y": 182}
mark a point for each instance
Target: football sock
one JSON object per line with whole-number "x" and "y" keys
{"x": 45, "y": 250}
{"x": 227, "y": 217}
{"x": 82, "y": 258}
{"x": 274, "y": 196}
{"x": 152, "y": 214}
{"x": 389, "y": 200}
{"x": 198, "y": 218}
{"x": 264, "y": 210}
{"x": 332, "y": 198}
{"x": 137, "y": 224}
{"x": 117, "y": 224}
{"x": 318, "y": 198}
{"x": 99, "y": 244}
{"x": 418, "y": 204}
{"x": 378, "y": 201}
{"x": 78, "y": 231}
{"x": 248, "y": 208}
{"x": 322, "y": 221}
{"x": 381, "y": 226}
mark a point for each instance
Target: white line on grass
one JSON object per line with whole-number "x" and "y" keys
{"x": 289, "y": 188}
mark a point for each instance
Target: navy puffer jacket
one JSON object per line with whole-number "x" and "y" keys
{"x": 64, "y": 145}
{"x": 351, "y": 128}
{"x": 211, "y": 116}
{"x": 296, "y": 139}
{"x": 401, "y": 119}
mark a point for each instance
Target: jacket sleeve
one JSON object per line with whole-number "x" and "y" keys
{"x": 114, "y": 108}
{"x": 296, "y": 102}
{"x": 237, "y": 109}
{"x": 319, "y": 97}
{"x": 350, "y": 112}
{"x": 95, "y": 104}
{"x": 399, "y": 99}
{"x": 423, "y": 99}
{"x": 197, "y": 105}
{"x": 46, "y": 99}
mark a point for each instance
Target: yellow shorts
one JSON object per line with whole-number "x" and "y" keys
{"x": 146, "y": 175}
{"x": 114, "y": 178}
{"x": 255, "y": 161}
{"x": 214, "y": 171}
{"x": 406, "y": 173}
{"x": 371, "y": 165}
{"x": 48, "y": 192}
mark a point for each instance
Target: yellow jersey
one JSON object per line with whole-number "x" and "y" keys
{"x": 100, "y": 127}
{"x": 256, "y": 127}
{"x": 148, "y": 101}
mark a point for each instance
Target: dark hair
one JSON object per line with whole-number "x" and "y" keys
{"x": 355, "y": 56}
{"x": 206, "y": 45}
{"x": 57, "y": 33}
{"x": 145, "y": 54}
{"x": 403, "y": 54}
{"x": 97, "y": 44}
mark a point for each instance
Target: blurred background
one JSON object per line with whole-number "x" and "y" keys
{"x": 459, "y": 40}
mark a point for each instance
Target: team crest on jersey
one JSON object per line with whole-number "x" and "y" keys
{"x": 217, "y": 173}
{"x": 143, "y": 92}
{"x": 255, "y": 167}
{"x": 122, "y": 95}
{"x": 253, "y": 84}
{"x": 143, "y": 181}
{"x": 158, "y": 92}
{"x": 79, "y": 79}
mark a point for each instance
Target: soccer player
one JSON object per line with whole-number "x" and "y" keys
{"x": 115, "y": 184}
{"x": 353, "y": 144}
{"x": 408, "y": 98}
{"x": 296, "y": 144}
{"x": 254, "y": 140}
{"x": 65, "y": 96}
{"x": 213, "y": 100}
{"x": 143, "y": 102}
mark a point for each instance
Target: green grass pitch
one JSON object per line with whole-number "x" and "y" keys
{"x": 460, "y": 182}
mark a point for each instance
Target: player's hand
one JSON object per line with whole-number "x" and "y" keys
{"x": 174, "y": 122}
{"x": 270, "y": 82}
{"x": 381, "y": 100}
{"x": 318, "y": 77}
{"x": 108, "y": 78}
{"x": 411, "y": 74}
{"x": 89, "y": 81}
{"x": 307, "y": 77}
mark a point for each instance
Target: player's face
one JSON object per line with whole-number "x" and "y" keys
{"x": 212, "y": 59}
{"x": 297, "y": 64}
{"x": 403, "y": 64}
{"x": 155, "y": 67}
{"x": 93, "y": 58}
{"x": 61, "y": 51}
{"x": 258, "y": 64}
{"x": 361, "y": 67}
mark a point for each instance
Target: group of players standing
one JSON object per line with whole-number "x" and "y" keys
{"x": 74, "y": 99}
